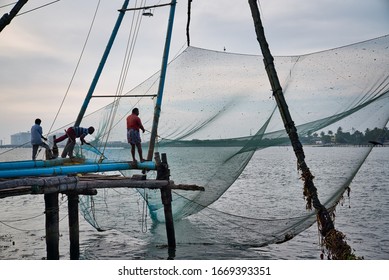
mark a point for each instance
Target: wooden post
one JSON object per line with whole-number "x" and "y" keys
{"x": 74, "y": 228}
{"x": 163, "y": 173}
{"x": 55, "y": 150}
{"x": 166, "y": 195}
{"x": 52, "y": 226}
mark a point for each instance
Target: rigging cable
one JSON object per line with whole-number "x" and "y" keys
{"x": 132, "y": 38}
{"x": 78, "y": 64}
{"x": 119, "y": 121}
{"x": 6, "y": 5}
{"x": 123, "y": 75}
{"x": 37, "y": 8}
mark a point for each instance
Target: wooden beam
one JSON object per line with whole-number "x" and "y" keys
{"x": 84, "y": 185}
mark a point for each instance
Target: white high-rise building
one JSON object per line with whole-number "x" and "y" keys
{"x": 20, "y": 138}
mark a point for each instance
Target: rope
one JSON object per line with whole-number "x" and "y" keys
{"x": 6, "y": 5}
{"x": 5, "y": 222}
{"x": 37, "y": 8}
{"x": 119, "y": 92}
{"x": 132, "y": 38}
{"x": 78, "y": 64}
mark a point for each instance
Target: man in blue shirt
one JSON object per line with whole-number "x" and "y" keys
{"x": 36, "y": 140}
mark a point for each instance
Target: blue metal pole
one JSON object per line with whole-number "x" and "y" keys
{"x": 102, "y": 63}
{"x": 79, "y": 168}
{"x": 157, "y": 109}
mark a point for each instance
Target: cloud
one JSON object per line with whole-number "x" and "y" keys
{"x": 39, "y": 50}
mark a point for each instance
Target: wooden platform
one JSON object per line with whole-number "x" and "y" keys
{"x": 77, "y": 184}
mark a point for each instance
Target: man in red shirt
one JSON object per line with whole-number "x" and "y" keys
{"x": 133, "y": 136}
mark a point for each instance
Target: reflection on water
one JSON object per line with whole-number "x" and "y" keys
{"x": 364, "y": 217}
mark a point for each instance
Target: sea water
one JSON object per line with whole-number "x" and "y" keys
{"x": 363, "y": 218}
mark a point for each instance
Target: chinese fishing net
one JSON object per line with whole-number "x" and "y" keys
{"x": 220, "y": 128}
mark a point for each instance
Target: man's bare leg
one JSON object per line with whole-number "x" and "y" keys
{"x": 139, "y": 146}
{"x": 133, "y": 152}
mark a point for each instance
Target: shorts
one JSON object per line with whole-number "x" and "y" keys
{"x": 133, "y": 136}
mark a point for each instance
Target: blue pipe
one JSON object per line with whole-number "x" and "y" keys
{"x": 165, "y": 58}
{"x": 102, "y": 63}
{"x": 78, "y": 168}
{"x": 35, "y": 163}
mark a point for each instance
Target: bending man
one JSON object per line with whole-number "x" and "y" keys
{"x": 72, "y": 133}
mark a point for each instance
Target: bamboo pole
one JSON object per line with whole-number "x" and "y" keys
{"x": 327, "y": 228}
{"x": 7, "y": 18}
{"x": 287, "y": 119}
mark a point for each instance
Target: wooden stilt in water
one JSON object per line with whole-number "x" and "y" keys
{"x": 163, "y": 173}
{"x": 166, "y": 195}
{"x": 74, "y": 228}
{"x": 52, "y": 226}
{"x": 55, "y": 148}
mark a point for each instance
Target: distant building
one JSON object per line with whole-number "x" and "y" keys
{"x": 20, "y": 138}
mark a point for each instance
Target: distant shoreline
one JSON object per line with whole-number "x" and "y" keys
{"x": 125, "y": 145}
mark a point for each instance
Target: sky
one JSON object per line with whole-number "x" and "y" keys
{"x": 41, "y": 48}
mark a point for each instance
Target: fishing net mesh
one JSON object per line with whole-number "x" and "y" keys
{"x": 218, "y": 113}
{"x": 220, "y": 124}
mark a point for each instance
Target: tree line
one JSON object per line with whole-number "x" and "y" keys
{"x": 355, "y": 137}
